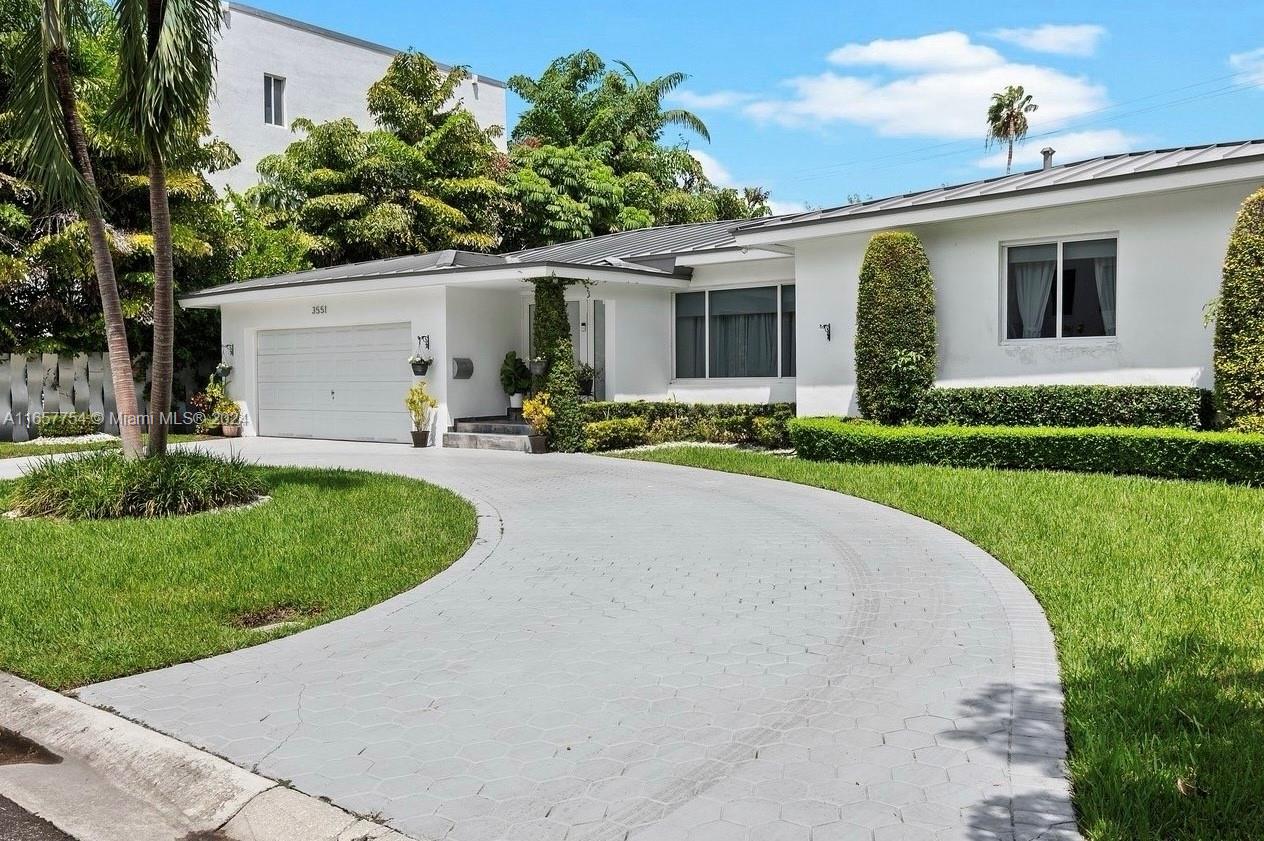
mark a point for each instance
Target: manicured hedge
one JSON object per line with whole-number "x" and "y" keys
{"x": 721, "y": 423}
{"x": 1239, "y": 342}
{"x": 66, "y": 424}
{"x": 1163, "y": 453}
{"x": 1067, "y": 405}
{"x": 615, "y": 434}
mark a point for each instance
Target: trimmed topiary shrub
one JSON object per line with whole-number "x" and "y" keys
{"x": 1066, "y": 405}
{"x": 66, "y": 424}
{"x": 1160, "y": 453}
{"x": 566, "y": 430}
{"x": 106, "y": 485}
{"x": 895, "y": 327}
{"x": 615, "y": 434}
{"x": 1239, "y": 342}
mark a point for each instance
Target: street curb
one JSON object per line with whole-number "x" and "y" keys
{"x": 119, "y": 781}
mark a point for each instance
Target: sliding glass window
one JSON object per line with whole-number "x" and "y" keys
{"x": 732, "y": 333}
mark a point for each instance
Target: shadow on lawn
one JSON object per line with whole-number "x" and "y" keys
{"x": 1168, "y": 746}
{"x": 320, "y": 478}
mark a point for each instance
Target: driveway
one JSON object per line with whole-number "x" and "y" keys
{"x": 643, "y": 651}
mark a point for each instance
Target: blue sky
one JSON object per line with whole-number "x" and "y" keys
{"x": 816, "y": 100}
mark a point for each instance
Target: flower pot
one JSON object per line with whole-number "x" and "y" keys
{"x": 536, "y": 367}
{"x": 420, "y": 368}
{"x": 539, "y": 444}
{"x": 515, "y": 401}
{"x": 231, "y": 430}
{"x": 421, "y": 438}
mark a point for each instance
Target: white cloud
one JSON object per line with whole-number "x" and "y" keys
{"x": 1249, "y": 66}
{"x": 713, "y": 169}
{"x": 1071, "y": 146}
{"x": 940, "y": 51}
{"x": 781, "y": 208}
{"x": 940, "y": 91}
{"x": 706, "y": 101}
{"x": 1079, "y": 39}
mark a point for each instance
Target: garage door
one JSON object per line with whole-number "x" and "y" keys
{"x": 334, "y": 382}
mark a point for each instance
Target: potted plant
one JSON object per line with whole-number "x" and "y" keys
{"x": 537, "y": 412}
{"x": 419, "y": 403}
{"x": 515, "y": 379}
{"x": 228, "y": 415}
{"x": 536, "y": 366}
{"x": 420, "y": 364}
{"x": 586, "y": 378}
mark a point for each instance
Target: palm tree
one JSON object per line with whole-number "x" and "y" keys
{"x": 54, "y": 151}
{"x": 166, "y": 75}
{"x": 1007, "y": 119}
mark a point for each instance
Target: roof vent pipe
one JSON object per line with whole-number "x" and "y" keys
{"x": 1047, "y": 154}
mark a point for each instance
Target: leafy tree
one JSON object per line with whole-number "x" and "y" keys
{"x": 895, "y": 327}
{"x": 1007, "y": 120}
{"x": 427, "y": 179}
{"x": 1239, "y": 342}
{"x": 53, "y": 147}
{"x": 588, "y": 157}
{"x": 166, "y": 74}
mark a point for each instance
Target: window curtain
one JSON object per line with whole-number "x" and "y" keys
{"x": 744, "y": 345}
{"x": 1033, "y": 284}
{"x": 691, "y": 335}
{"x": 1104, "y": 271}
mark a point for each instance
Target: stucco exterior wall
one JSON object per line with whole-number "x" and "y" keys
{"x": 1170, "y": 249}
{"x": 482, "y": 325}
{"x": 325, "y": 79}
{"x": 422, "y": 308}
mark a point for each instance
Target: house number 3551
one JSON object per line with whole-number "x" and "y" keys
{"x": 320, "y": 310}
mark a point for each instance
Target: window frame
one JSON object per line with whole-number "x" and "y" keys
{"x": 1058, "y": 242}
{"x": 706, "y": 334}
{"x": 270, "y": 97}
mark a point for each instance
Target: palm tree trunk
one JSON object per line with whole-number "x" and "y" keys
{"x": 102, "y": 261}
{"x": 1009, "y": 158}
{"x": 164, "y": 306}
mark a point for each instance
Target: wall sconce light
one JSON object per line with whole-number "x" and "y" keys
{"x": 424, "y": 340}
{"x": 828, "y": 330}
{"x": 228, "y": 347}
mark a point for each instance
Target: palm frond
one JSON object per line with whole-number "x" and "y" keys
{"x": 687, "y": 119}
{"x": 40, "y": 128}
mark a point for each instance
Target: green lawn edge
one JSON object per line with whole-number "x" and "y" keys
{"x": 86, "y": 601}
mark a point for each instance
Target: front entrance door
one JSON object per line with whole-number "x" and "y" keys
{"x": 587, "y": 319}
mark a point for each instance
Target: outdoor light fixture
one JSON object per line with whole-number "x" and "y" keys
{"x": 827, "y": 329}
{"x": 424, "y": 340}
{"x": 228, "y": 347}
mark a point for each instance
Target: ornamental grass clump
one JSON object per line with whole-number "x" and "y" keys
{"x": 106, "y": 485}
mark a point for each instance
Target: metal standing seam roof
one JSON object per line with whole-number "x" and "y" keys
{"x": 1075, "y": 174}
{"x": 615, "y": 251}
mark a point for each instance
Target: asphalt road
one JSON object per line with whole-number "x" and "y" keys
{"x": 17, "y": 824}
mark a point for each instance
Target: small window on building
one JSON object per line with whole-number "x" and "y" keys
{"x": 273, "y": 100}
{"x": 1060, "y": 289}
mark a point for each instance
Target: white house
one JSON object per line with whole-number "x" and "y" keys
{"x": 273, "y": 69}
{"x": 1090, "y": 272}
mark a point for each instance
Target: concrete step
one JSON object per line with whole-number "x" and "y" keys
{"x": 487, "y": 441}
{"x": 494, "y": 427}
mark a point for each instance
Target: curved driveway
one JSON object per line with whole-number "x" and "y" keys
{"x": 642, "y": 651}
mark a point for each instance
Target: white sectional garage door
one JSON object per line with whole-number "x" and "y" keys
{"x": 346, "y": 383}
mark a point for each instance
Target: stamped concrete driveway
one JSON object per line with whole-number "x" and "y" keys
{"x": 643, "y": 651}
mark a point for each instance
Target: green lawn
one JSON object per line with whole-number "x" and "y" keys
{"x": 1155, "y": 591}
{"x": 85, "y": 601}
{"x": 10, "y": 450}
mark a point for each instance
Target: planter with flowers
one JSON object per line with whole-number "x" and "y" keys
{"x": 420, "y": 403}
{"x": 420, "y": 364}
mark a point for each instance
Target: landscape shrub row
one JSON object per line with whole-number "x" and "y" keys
{"x": 1067, "y": 405}
{"x": 1162, "y": 453}
{"x": 617, "y": 425}
{"x": 65, "y": 424}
